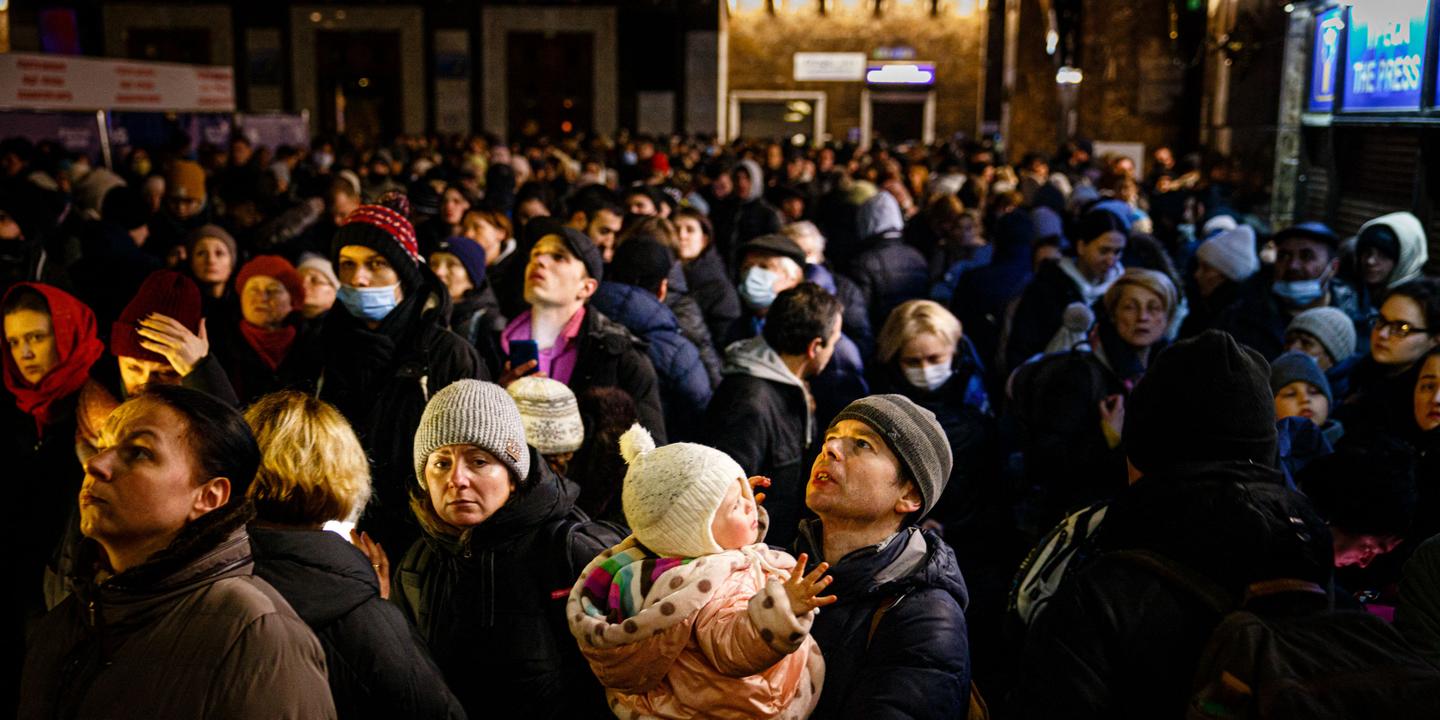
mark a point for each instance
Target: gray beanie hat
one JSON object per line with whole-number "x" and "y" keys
{"x": 913, "y": 434}
{"x": 1332, "y": 327}
{"x": 472, "y": 412}
{"x": 1295, "y": 366}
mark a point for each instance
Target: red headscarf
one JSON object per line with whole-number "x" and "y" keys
{"x": 75, "y": 342}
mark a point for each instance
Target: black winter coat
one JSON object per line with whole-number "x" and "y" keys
{"x": 378, "y": 666}
{"x": 251, "y": 378}
{"x": 917, "y": 664}
{"x": 1258, "y": 320}
{"x": 380, "y": 380}
{"x": 714, "y": 292}
{"x": 762, "y": 425}
{"x": 491, "y": 604}
{"x": 1117, "y": 640}
{"x": 888, "y": 273}
{"x": 692, "y": 322}
{"x": 1038, "y": 316}
{"x": 610, "y": 356}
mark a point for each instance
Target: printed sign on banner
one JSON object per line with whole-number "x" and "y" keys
{"x": 56, "y": 82}
{"x": 76, "y": 132}
{"x": 1325, "y": 62}
{"x": 1385, "y": 54}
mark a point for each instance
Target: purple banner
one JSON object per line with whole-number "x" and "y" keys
{"x": 76, "y": 132}
{"x": 275, "y": 129}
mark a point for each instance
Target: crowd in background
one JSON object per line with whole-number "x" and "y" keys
{"x": 353, "y": 331}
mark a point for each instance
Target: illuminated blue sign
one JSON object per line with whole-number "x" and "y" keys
{"x": 1326, "y": 61}
{"x": 1385, "y": 55}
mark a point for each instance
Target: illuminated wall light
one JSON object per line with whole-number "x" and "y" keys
{"x": 900, "y": 74}
{"x": 1052, "y": 42}
{"x": 1069, "y": 76}
{"x": 746, "y": 6}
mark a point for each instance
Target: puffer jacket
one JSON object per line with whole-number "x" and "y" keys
{"x": 761, "y": 416}
{"x": 381, "y": 379}
{"x": 189, "y": 633}
{"x": 1119, "y": 641}
{"x": 684, "y": 383}
{"x": 713, "y": 636}
{"x": 379, "y": 667}
{"x": 887, "y": 271}
{"x": 611, "y": 356}
{"x": 714, "y": 292}
{"x": 490, "y": 603}
{"x": 917, "y": 663}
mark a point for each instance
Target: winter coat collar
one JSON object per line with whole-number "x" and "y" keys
{"x": 320, "y": 574}
{"x": 909, "y": 560}
{"x": 213, "y": 547}
{"x": 754, "y": 357}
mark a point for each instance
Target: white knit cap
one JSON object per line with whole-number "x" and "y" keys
{"x": 671, "y": 493}
{"x": 1232, "y": 253}
{"x": 1218, "y": 224}
{"x": 473, "y": 412}
{"x": 550, "y": 413}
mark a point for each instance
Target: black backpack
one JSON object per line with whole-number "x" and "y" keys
{"x": 1274, "y": 655}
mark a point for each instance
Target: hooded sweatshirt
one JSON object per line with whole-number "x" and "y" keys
{"x": 1413, "y": 253}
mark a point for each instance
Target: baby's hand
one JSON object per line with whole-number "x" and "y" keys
{"x": 802, "y": 589}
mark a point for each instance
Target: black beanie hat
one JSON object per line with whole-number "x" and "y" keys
{"x": 641, "y": 261}
{"x": 1205, "y": 399}
{"x": 387, "y": 232}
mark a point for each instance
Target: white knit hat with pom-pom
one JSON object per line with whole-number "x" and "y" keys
{"x": 671, "y": 493}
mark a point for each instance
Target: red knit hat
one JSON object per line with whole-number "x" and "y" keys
{"x": 276, "y": 267}
{"x": 165, "y": 292}
{"x": 386, "y": 232}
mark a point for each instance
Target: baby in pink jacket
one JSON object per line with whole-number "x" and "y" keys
{"x": 692, "y": 616}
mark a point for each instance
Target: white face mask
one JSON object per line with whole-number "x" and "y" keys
{"x": 929, "y": 377}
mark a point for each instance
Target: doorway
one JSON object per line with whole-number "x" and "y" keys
{"x": 551, "y": 83}
{"x": 897, "y": 116}
{"x": 359, "y": 85}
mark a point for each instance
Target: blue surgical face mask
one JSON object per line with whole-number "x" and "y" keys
{"x": 1299, "y": 293}
{"x": 371, "y": 303}
{"x": 757, "y": 288}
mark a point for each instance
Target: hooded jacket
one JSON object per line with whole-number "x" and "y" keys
{"x": 684, "y": 384}
{"x": 490, "y": 603}
{"x": 917, "y": 664}
{"x": 983, "y": 296}
{"x": 761, "y": 416}
{"x": 378, "y": 664}
{"x": 713, "y": 637}
{"x": 381, "y": 379}
{"x": 189, "y": 633}
{"x": 740, "y": 219}
{"x": 886, "y": 270}
{"x": 1413, "y": 252}
{"x": 1119, "y": 641}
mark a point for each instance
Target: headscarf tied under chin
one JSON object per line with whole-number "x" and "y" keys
{"x": 77, "y": 344}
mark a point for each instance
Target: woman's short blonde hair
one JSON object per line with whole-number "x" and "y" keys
{"x": 1156, "y": 282}
{"x": 912, "y": 319}
{"x": 312, "y": 467}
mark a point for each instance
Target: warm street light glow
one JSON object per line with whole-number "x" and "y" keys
{"x": 1069, "y": 76}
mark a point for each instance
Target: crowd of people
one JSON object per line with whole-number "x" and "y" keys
{"x": 667, "y": 427}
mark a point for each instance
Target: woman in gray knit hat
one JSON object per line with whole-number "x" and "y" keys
{"x": 503, "y": 543}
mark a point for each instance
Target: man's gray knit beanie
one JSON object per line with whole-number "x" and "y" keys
{"x": 913, "y": 434}
{"x": 472, "y": 412}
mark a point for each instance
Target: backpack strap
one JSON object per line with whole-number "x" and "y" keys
{"x": 1279, "y": 586}
{"x": 887, "y": 604}
{"x": 1207, "y": 590}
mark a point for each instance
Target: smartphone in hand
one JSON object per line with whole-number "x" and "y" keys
{"x": 523, "y": 351}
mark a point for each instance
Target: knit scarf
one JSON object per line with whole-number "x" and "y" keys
{"x": 617, "y": 588}
{"x": 73, "y": 325}
{"x": 270, "y": 345}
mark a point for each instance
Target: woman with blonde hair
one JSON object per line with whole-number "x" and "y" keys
{"x": 922, "y": 354}
{"x": 1138, "y": 309}
{"x": 312, "y": 471}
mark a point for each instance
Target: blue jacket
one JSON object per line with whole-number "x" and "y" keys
{"x": 684, "y": 383}
{"x": 917, "y": 663}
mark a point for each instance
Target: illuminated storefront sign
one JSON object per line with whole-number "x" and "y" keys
{"x": 1325, "y": 64}
{"x": 1385, "y": 55}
